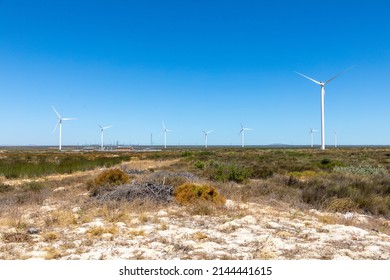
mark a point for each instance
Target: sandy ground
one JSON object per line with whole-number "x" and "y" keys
{"x": 246, "y": 231}
{"x": 269, "y": 230}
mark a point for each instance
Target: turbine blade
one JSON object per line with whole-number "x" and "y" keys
{"x": 56, "y": 112}
{"x": 106, "y": 127}
{"x": 69, "y": 119}
{"x": 317, "y": 82}
{"x": 342, "y": 72}
{"x": 163, "y": 125}
{"x": 209, "y": 131}
{"x": 56, "y": 126}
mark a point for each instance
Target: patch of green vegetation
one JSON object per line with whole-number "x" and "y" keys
{"x": 223, "y": 172}
{"x": 363, "y": 170}
{"x": 186, "y": 154}
{"x": 370, "y": 195}
{"x": 200, "y": 164}
{"x": 327, "y": 163}
{"x": 21, "y": 166}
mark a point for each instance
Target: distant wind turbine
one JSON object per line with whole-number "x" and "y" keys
{"x": 335, "y": 139}
{"x": 242, "y": 131}
{"x": 205, "y": 136}
{"x": 102, "y": 129}
{"x": 311, "y": 134}
{"x": 165, "y": 134}
{"x": 322, "y": 84}
{"x": 60, "y": 119}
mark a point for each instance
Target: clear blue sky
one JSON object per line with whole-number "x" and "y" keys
{"x": 197, "y": 65}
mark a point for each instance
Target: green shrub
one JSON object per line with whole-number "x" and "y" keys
{"x": 199, "y": 164}
{"x": 363, "y": 170}
{"x": 228, "y": 172}
{"x": 186, "y": 154}
{"x": 338, "y": 192}
{"x": 18, "y": 166}
{"x": 329, "y": 164}
{"x": 189, "y": 193}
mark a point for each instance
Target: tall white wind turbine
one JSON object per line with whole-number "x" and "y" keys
{"x": 311, "y": 135}
{"x": 102, "y": 129}
{"x": 60, "y": 119}
{"x": 242, "y": 131}
{"x": 322, "y": 84}
{"x": 205, "y": 137}
{"x": 335, "y": 139}
{"x": 165, "y": 134}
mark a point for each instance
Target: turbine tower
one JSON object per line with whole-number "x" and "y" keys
{"x": 311, "y": 134}
{"x": 165, "y": 134}
{"x": 205, "y": 137}
{"x": 102, "y": 129}
{"x": 322, "y": 84}
{"x": 60, "y": 119}
{"x": 335, "y": 139}
{"x": 242, "y": 131}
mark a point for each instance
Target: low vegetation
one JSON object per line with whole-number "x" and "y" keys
{"x": 107, "y": 180}
{"x": 191, "y": 182}
{"x": 31, "y": 165}
{"x": 189, "y": 193}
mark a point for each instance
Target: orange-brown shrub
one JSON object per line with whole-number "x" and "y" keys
{"x": 106, "y": 180}
{"x": 190, "y": 193}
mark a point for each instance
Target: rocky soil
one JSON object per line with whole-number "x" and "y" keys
{"x": 239, "y": 231}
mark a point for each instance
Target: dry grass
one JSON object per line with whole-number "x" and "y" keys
{"x": 52, "y": 253}
{"x": 16, "y": 237}
{"x": 50, "y": 236}
{"x": 62, "y": 218}
{"x": 200, "y": 235}
{"x": 99, "y": 231}
{"x": 135, "y": 232}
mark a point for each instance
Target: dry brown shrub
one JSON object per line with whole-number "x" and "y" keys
{"x": 340, "y": 205}
{"x": 190, "y": 193}
{"x": 16, "y": 237}
{"x": 106, "y": 180}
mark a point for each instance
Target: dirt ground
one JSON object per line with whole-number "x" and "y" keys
{"x": 66, "y": 223}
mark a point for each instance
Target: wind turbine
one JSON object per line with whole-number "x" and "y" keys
{"x": 335, "y": 138}
{"x": 311, "y": 134}
{"x": 165, "y": 134}
{"x": 205, "y": 136}
{"x": 60, "y": 119}
{"x": 322, "y": 84}
{"x": 242, "y": 131}
{"x": 102, "y": 129}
